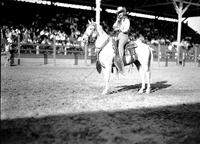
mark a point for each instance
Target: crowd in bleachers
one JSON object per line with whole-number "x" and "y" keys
{"x": 69, "y": 27}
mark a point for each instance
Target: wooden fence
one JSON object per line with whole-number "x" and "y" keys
{"x": 75, "y": 49}
{"x": 161, "y": 52}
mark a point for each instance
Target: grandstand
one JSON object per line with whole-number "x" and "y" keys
{"x": 37, "y": 23}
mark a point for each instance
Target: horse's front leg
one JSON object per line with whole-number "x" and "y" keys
{"x": 7, "y": 60}
{"x": 148, "y": 76}
{"x": 106, "y": 72}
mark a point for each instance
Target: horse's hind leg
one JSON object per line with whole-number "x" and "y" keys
{"x": 142, "y": 75}
{"x": 7, "y": 60}
{"x": 106, "y": 72}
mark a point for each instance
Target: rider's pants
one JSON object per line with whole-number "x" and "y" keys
{"x": 123, "y": 39}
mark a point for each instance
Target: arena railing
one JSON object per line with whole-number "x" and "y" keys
{"x": 162, "y": 53}
{"x": 45, "y": 49}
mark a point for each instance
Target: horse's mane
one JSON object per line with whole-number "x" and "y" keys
{"x": 101, "y": 31}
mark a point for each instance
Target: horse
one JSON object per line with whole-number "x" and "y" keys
{"x": 106, "y": 56}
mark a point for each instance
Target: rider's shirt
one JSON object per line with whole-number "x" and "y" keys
{"x": 123, "y": 25}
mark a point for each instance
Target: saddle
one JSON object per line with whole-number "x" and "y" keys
{"x": 129, "y": 54}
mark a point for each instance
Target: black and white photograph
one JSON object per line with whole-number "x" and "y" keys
{"x": 100, "y": 71}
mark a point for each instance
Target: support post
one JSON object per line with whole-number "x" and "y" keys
{"x": 179, "y": 35}
{"x": 98, "y": 3}
{"x": 180, "y": 11}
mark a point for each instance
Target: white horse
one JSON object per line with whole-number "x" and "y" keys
{"x": 106, "y": 55}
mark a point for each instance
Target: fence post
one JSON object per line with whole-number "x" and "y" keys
{"x": 198, "y": 60}
{"x": 183, "y": 59}
{"x": 195, "y": 55}
{"x": 54, "y": 51}
{"x": 45, "y": 57}
{"x": 18, "y": 47}
{"x": 159, "y": 54}
{"x": 65, "y": 50}
{"x": 37, "y": 49}
{"x": 75, "y": 58}
{"x": 86, "y": 50}
{"x": 166, "y": 60}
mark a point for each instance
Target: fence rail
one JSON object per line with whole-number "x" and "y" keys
{"x": 47, "y": 49}
{"x": 161, "y": 52}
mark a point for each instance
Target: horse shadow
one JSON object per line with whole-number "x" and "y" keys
{"x": 154, "y": 87}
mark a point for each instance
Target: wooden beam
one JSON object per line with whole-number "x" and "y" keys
{"x": 175, "y": 6}
{"x": 188, "y": 2}
{"x": 98, "y": 3}
{"x": 186, "y": 8}
{"x": 157, "y": 4}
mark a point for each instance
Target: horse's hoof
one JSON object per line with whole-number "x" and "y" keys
{"x": 104, "y": 92}
{"x": 148, "y": 91}
{"x": 140, "y": 91}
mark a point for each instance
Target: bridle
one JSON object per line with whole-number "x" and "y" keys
{"x": 89, "y": 36}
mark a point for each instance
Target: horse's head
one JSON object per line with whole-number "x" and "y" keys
{"x": 91, "y": 31}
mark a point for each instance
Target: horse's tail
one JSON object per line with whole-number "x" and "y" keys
{"x": 151, "y": 56}
{"x": 98, "y": 66}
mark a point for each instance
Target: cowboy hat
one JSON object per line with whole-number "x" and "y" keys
{"x": 121, "y": 9}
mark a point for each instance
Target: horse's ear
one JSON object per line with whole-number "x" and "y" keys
{"x": 89, "y": 22}
{"x": 92, "y": 21}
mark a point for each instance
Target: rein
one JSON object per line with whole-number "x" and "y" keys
{"x": 99, "y": 65}
{"x": 102, "y": 46}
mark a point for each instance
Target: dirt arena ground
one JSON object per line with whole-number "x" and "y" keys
{"x": 43, "y": 104}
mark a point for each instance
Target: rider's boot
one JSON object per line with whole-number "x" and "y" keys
{"x": 119, "y": 64}
{"x": 122, "y": 71}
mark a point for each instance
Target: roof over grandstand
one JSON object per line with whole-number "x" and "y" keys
{"x": 164, "y": 8}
